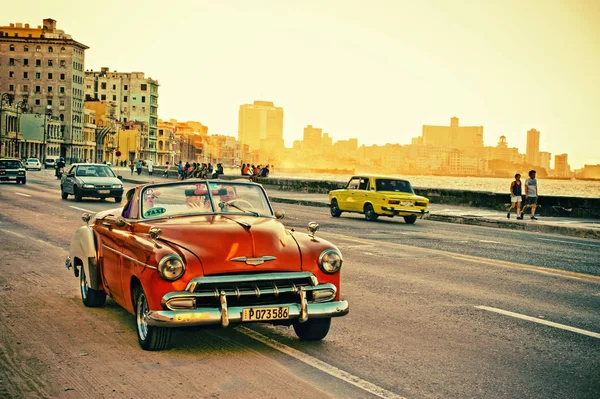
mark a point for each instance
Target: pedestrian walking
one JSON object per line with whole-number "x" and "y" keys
{"x": 131, "y": 166}
{"x": 167, "y": 169}
{"x": 150, "y": 167}
{"x": 531, "y": 194}
{"x": 515, "y": 196}
{"x": 138, "y": 167}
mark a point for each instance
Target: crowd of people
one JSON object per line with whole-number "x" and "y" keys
{"x": 255, "y": 171}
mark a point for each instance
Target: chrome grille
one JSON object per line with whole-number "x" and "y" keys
{"x": 256, "y": 289}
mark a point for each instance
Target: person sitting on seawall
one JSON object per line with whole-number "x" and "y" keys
{"x": 264, "y": 172}
{"x": 218, "y": 171}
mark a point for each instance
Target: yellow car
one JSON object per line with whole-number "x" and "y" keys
{"x": 376, "y": 196}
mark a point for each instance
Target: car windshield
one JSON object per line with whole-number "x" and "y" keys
{"x": 32, "y": 160}
{"x": 178, "y": 199}
{"x": 94, "y": 171}
{"x": 10, "y": 164}
{"x": 393, "y": 185}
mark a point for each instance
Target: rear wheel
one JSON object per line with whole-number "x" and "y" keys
{"x": 77, "y": 195}
{"x": 312, "y": 329}
{"x": 335, "y": 209}
{"x": 370, "y": 212}
{"x": 150, "y": 338}
{"x": 410, "y": 219}
{"x": 90, "y": 298}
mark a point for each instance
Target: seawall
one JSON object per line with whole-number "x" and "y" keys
{"x": 547, "y": 205}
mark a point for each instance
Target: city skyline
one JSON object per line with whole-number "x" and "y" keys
{"x": 376, "y": 73}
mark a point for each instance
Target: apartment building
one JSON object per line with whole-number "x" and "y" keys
{"x": 135, "y": 97}
{"x": 261, "y": 124}
{"x": 41, "y": 72}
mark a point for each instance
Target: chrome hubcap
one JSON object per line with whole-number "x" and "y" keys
{"x": 142, "y": 317}
{"x": 83, "y": 284}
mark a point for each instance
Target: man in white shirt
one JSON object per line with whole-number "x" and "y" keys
{"x": 531, "y": 193}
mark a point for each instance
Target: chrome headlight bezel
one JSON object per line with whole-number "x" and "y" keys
{"x": 85, "y": 185}
{"x": 330, "y": 261}
{"x": 117, "y": 186}
{"x": 166, "y": 266}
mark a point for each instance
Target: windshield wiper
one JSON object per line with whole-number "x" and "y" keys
{"x": 223, "y": 204}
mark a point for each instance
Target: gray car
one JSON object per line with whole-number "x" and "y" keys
{"x": 93, "y": 180}
{"x": 11, "y": 169}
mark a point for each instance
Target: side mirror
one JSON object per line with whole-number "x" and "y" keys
{"x": 86, "y": 217}
{"x": 279, "y": 214}
{"x": 120, "y": 178}
{"x": 120, "y": 222}
{"x": 70, "y": 175}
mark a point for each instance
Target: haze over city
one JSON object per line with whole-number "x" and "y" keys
{"x": 375, "y": 72}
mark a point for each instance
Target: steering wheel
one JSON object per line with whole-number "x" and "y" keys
{"x": 243, "y": 201}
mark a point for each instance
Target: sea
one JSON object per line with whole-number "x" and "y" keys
{"x": 550, "y": 187}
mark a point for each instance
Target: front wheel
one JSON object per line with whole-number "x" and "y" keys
{"x": 335, "y": 209}
{"x": 410, "y": 219}
{"x": 77, "y": 195}
{"x": 312, "y": 329}
{"x": 90, "y": 298}
{"x": 118, "y": 199}
{"x": 23, "y": 180}
{"x": 150, "y": 338}
{"x": 370, "y": 212}
{"x": 63, "y": 195}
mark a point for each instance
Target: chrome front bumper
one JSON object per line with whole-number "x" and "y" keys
{"x": 225, "y": 316}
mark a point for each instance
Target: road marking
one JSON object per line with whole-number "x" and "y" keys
{"x": 29, "y": 238}
{"x": 471, "y": 258}
{"x": 540, "y": 321}
{"x": 24, "y": 195}
{"x": 498, "y": 242}
{"x": 569, "y": 242}
{"x": 81, "y": 209}
{"x": 320, "y": 365}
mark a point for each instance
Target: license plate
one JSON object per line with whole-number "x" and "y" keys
{"x": 103, "y": 191}
{"x": 277, "y": 313}
{"x": 406, "y": 203}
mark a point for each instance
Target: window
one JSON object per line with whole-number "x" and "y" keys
{"x": 11, "y": 74}
{"x": 11, "y": 87}
{"x": 49, "y": 62}
{"x": 25, "y": 75}
{"x": 62, "y": 76}
{"x": 103, "y": 85}
{"x": 37, "y": 101}
{"x": 49, "y": 102}
{"x": 50, "y": 75}
{"x": 25, "y": 61}
{"x": 62, "y": 63}
{"x": 38, "y": 49}
{"x": 38, "y": 75}
{"x": 62, "y": 103}
{"x": 11, "y": 61}
{"x": 144, "y": 87}
{"x": 49, "y": 89}
{"x": 50, "y": 49}
{"x": 62, "y": 89}
{"x": 143, "y": 99}
{"x": 25, "y": 87}
{"x": 114, "y": 98}
{"x": 62, "y": 49}
{"x": 38, "y": 62}
{"x": 125, "y": 99}
{"x": 38, "y": 89}
{"x": 12, "y": 47}
{"x": 114, "y": 87}
{"x": 103, "y": 97}
{"x": 26, "y": 49}
{"x": 125, "y": 87}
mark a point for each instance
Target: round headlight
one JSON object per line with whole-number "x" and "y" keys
{"x": 330, "y": 261}
{"x": 171, "y": 267}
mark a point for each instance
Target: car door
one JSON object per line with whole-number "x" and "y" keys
{"x": 345, "y": 197}
{"x": 68, "y": 179}
{"x": 361, "y": 194}
{"x": 111, "y": 239}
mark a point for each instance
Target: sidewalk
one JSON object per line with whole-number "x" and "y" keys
{"x": 575, "y": 227}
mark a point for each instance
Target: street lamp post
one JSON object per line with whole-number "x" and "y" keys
{"x": 47, "y": 113}
{"x": 21, "y": 106}
{"x": 4, "y": 98}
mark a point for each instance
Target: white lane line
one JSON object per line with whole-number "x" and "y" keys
{"x": 81, "y": 209}
{"x": 540, "y": 321}
{"x": 569, "y": 242}
{"x": 24, "y": 195}
{"x": 29, "y": 238}
{"x": 320, "y": 365}
{"x": 498, "y": 242}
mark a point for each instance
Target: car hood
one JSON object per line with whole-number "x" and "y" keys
{"x": 234, "y": 243}
{"x": 100, "y": 181}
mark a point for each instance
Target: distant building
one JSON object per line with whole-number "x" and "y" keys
{"x": 455, "y": 136}
{"x": 42, "y": 68}
{"x": 545, "y": 158}
{"x": 561, "y": 166}
{"x": 589, "y": 172}
{"x": 260, "y": 126}
{"x": 135, "y": 97}
{"x": 532, "y": 156}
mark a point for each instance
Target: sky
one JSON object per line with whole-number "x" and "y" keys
{"x": 374, "y": 70}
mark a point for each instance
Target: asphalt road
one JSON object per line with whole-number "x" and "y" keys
{"x": 437, "y": 311}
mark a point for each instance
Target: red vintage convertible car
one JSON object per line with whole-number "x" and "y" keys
{"x": 206, "y": 252}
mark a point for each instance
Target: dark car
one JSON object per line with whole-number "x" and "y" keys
{"x": 93, "y": 180}
{"x": 11, "y": 169}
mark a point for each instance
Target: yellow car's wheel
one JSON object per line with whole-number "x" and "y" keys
{"x": 334, "y": 208}
{"x": 370, "y": 212}
{"x": 410, "y": 219}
